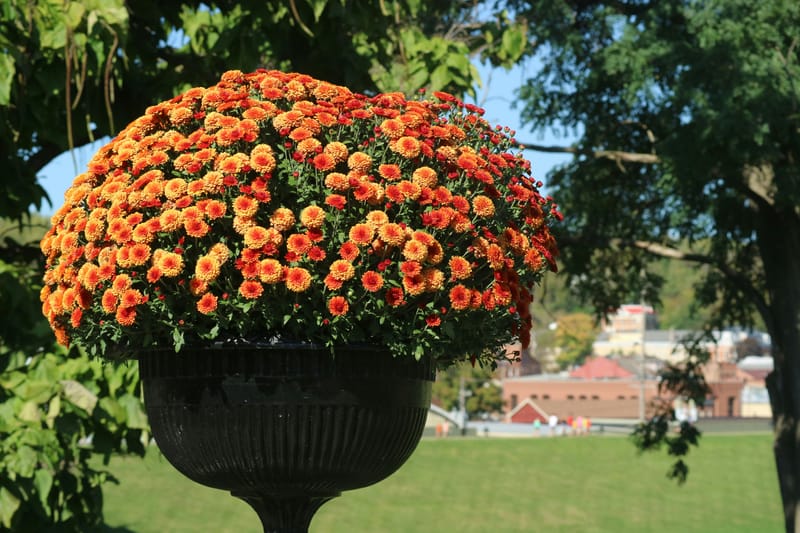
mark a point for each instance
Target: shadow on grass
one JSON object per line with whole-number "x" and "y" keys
{"x": 110, "y": 529}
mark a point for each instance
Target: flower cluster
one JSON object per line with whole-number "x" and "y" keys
{"x": 277, "y": 205}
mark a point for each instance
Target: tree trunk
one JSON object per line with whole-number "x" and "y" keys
{"x": 779, "y": 241}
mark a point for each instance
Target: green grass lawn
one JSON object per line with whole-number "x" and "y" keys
{"x": 576, "y": 485}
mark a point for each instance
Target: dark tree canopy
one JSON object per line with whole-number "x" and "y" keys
{"x": 687, "y": 117}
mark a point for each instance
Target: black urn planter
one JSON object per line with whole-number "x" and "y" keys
{"x": 285, "y": 427}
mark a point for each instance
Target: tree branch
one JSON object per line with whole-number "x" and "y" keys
{"x": 615, "y": 155}
{"x": 736, "y": 278}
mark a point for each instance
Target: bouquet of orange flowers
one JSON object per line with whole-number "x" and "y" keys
{"x": 277, "y": 206}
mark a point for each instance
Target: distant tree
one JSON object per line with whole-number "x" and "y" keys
{"x": 482, "y": 395}
{"x": 574, "y": 335}
{"x": 688, "y": 122}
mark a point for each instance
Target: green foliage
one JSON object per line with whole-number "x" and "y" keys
{"x": 574, "y": 335}
{"x": 688, "y": 132}
{"x": 56, "y": 414}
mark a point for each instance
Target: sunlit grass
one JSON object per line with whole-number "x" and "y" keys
{"x": 576, "y": 485}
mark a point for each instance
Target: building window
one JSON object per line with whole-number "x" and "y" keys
{"x": 634, "y": 397}
{"x": 545, "y": 396}
{"x": 513, "y": 401}
{"x": 595, "y": 397}
{"x": 570, "y": 397}
{"x": 621, "y": 397}
{"x": 534, "y": 396}
{"x": 582, "y": 397}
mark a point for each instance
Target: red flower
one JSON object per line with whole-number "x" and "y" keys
{"x": 432, "y": 321}
{"x": 394, "y": 297}
{"x": 336, "y": 200}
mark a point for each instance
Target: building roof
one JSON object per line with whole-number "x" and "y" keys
{"x": 600, "y": 368}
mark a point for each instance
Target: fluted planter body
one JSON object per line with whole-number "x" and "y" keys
{"x": 285, "y": 427}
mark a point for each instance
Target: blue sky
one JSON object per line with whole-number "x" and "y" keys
{"x": 496, "y": 97}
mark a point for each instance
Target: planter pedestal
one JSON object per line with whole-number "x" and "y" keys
{"x": 285, "y": 427}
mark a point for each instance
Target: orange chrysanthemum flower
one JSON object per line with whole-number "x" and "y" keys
{"x": 360, "y": 162}
{"x": 410, "y": 268}
{"x": 392, "y": 234}
{"x": 206, "y": 268}
{"x": 483, "y": 206}
{"x": 390, "y": 172}
{"x": 332, "y": 284}
{"x": 298, "y": 279}
{"x": 460, "y": 297}
{"x": 361, "y": 234}
{"x": 245, "y": 206}
{"x": 270, "y": 271}
{"x": 337, "y": 150}
{"x": 414, "y": 285}
{"x": 214, "y": 209}
{"x": 130, "y": 298}
{"x": 337, "y": 181}
{"x": 170, "y": 264}
{"x": 409, "y": 190}
{"x": 414, "y": 250}
{"x": 323, "y": 162}
{"x": 424, "y": 177}
{"x": 121, "y": 284}
{"x": 376, "y": 219}
{"x": 460, "y": 268}
{"x": 434, "y": 279}
{"x": 312, "y": 217}
{"x": 153, "y": 274}
{"x": 393, "y": 128}
{"x": 406, "y": 146}
{"x": 372, "y": 281}
{"x": 349, "y": 251}
{"x": 336, "y": 201}
{"x": 251, "y": 289}
{"x": 395, "y": 297}
{"x": 196, "y": 228}
{"x": 170, "y": 220}
{"x": 255, "y": 237}
{"x": 282, "y": 219}
{"x": 262, "y": 159}
{"x": 342, "y": 270}
{"x": 207, "y": 303}
{"x": 126, "y": 316}
{"x": 533, "y": 259}
{"x": 495, "y": 256}
{"x": 298, "y": 243}
{"x": 175, "y": 188}
{"x": 338, "y": 306}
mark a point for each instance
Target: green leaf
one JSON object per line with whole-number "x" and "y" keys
{"x": 23, "y": 462}
{"x": 43, "y": 481}
{"x": 7, "y": 70}
{"x": 513, "y": 44}
{"x": 79, "y": 395}
{"x": 134, "y": 411}
{"x": 53, "y": 410}
{"x": 35, "y": 391}
{"x": 30, "y": 412}
{"x": 8, "y": 506}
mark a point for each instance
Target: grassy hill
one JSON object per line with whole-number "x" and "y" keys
{"x": 580, "y": 484}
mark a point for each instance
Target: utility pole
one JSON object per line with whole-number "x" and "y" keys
{"x": 642, "y": 355}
